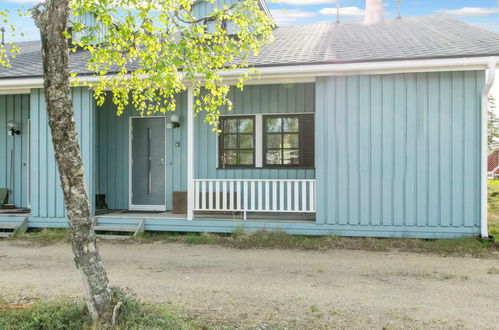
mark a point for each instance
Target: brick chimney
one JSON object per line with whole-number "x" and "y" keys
{"x": 374, "y": 12}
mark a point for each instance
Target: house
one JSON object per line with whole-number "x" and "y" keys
{"x": 353, "y": 129}
{"x": 493, "y": 162}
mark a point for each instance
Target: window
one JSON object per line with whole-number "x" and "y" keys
{"x": 267, "y": 141}
{"x": 288, "y": 141}
{"x": 237, "y": 142}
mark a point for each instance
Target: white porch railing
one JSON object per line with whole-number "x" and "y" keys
{"x": 233, "y": 195}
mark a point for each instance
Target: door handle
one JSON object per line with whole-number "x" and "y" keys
{"x": 161, "y": 162}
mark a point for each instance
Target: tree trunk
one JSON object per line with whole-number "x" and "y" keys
{"x": 52, "y": 20}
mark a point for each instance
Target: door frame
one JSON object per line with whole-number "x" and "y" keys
{"x": 131, "y": 206}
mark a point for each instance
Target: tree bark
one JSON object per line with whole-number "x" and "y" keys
{"x": 52, "y": 19}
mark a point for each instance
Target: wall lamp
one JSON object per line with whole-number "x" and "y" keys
{"x": 175, "y": 120}
{"x": 12, "y": 128}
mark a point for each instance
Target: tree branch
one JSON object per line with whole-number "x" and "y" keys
{"x": 37, "y": 13}
{"x": 204, "y": 18}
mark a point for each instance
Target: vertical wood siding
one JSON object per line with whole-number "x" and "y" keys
{"x": 113, "y": 138}
{"x": 113, "y": 153}
{"x": 255, "y": 99}
{"x": 47, "y": 200}
{"x": 399, "y": 150}
{"x": 14, "y": 107}
{"x": 205, "y": 8}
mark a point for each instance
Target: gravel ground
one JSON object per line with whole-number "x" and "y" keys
{"x": 269, "y": 289}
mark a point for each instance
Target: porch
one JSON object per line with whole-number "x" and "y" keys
{"x": 172, "y": 164}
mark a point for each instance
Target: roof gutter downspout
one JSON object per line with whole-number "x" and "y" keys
{"x": 484, "y": 143}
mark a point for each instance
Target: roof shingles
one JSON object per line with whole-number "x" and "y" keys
{"x": 409, "y": 38}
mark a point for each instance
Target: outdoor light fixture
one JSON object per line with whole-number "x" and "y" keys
{"x": 175, "y": 120}
{"x": 12, "y": 128}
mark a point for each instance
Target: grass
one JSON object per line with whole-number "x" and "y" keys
{"x": 279, "y": 240}
{"x": 471, "y": 246}
{"x": 44, "y": 236}
{"x": 73, "y": 315}
{"x": 494, "y": 208}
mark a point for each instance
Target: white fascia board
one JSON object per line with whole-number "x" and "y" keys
{"x": 20, "y": 83}
{"x": 387, "y": 67}
{"x": 307, "y": 73}
{"x": 15, "y": 91}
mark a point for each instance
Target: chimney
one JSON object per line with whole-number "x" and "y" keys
{"x": 374, "y": 12}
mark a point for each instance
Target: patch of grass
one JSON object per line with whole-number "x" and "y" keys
{"x": 238, "y": 231}
{"x": 494, "y": 208}
{"x": 471, "y": 246}
{"x": 134, "y": 314}
{"x": 73, "y": 315}
{"x": 493, "y": 271}
{"x": 45, "y": 236}
{"x": 46, "y": 315}
{"x": 280, "y": 240}
{"x": 314, "y": 309}
{"x": 203, "y": 238}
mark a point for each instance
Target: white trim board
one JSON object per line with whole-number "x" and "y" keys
{"x": 258, "y": 141}
{"x": 306, "y": 72}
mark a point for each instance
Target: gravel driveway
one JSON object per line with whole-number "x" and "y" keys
{"x": 268, "y": 289}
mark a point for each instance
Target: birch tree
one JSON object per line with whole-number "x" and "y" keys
{"x": 142, "y": 52}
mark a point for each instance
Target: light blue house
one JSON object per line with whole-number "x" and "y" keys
{"x": 353, "y": 129}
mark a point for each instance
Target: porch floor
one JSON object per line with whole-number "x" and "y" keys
{"x": 168, "y": 215}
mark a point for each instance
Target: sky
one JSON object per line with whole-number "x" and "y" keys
{"x": 482, "y": 13}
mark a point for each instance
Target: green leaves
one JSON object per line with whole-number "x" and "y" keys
{"x": 146, "y": 52}
{"x": 10, "y": 50}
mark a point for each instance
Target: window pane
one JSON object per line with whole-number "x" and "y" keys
{"x": 246, "y": 126}
{"x": 291, "y": 124}
{"x": 291, "y": 141}
{"x": 230, "y": 141}
{"x": 274, "y": 141}
{"x": 238, "y": 141}
{"x": 231, "y": 158}
{"x": 273, "y": 125}
{"x": 230, "y": 126}
{"x": 246, "y": 141}
{"x": 246, "y": 158}
{"x": 273, "y": 157}
{"x": 291, "y": 157}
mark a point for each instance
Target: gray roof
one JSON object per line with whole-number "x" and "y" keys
{"x": 409, "y": 38}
